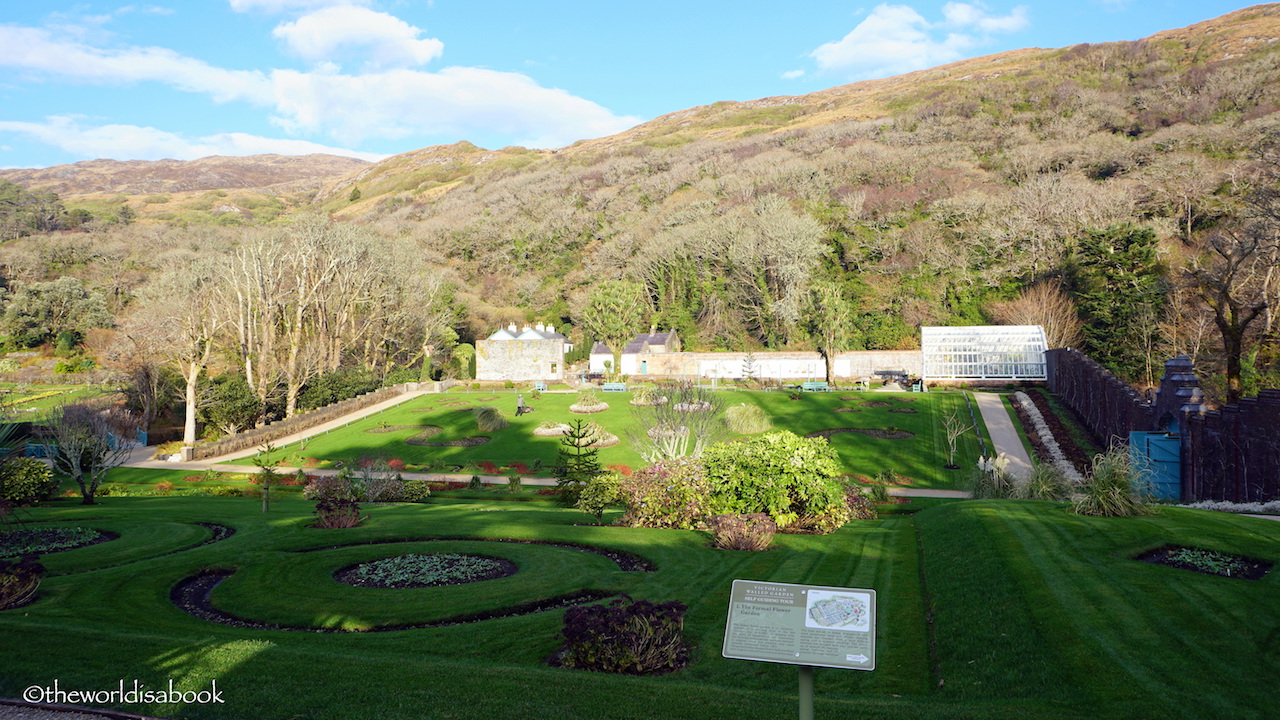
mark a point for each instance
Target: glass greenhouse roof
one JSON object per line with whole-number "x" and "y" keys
{"x": 983, "y": 352}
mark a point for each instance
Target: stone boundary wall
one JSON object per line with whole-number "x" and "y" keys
{"x": 259, "y": 436}
{"x": 1233, "y": 454}
{"x": 1107, "y": 404}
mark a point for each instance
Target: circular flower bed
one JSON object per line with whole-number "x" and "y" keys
{"x": 551, "y": 429}
{"x": 876, "y": 403}
{"x": 431, "y": 570}
{"x": 37, "y": 541}
{"x": 428, "y": 432}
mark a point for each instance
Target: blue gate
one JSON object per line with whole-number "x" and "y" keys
{"x": 1158, "y": 455}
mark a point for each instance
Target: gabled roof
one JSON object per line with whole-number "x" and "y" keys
{"x": 502, "y": 335}
{"x": 637, "y": 344}
{"x": 600, "y": 349}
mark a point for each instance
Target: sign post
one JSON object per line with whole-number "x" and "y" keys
{"x": 806, "y": 625}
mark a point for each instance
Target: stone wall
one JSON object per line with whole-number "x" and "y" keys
{"x": 773, "y": 364}
{"x": 1234, "y": 454}
{"x": 1229, "y": 454}
{"x": 520, "y": 360}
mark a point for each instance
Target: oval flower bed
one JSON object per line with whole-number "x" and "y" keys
{"x": 37, "y": 541}
{"x": 430, "y": 570}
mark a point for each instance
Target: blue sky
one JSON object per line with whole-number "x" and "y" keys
{"x": 371, "y": 78}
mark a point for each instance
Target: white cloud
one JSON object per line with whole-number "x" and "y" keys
{"x": 132, "y": 142}
{"x": 35, "y": 49}
{"x": 456, "y": 101}
{"x": 389, "y": 41}
{"x": 895, "y": 39}
{"x": 279, "y": 6}
{"x": 792, "y": 74}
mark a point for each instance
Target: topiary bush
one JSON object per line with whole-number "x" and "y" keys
{"x": 632, "y": 637}
{"x": 598, "y": 494}
{"x": 26, "y": 480}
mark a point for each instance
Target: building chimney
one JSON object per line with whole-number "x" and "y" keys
{"x": 512, "y": 327}
{"x": 538, "y": 327}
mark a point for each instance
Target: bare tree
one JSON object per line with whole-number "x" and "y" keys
{"x": 955, "y": 428}
{"x": 85, "y": 444}
{"x": 1045, "y": 304}
{"x": 680, "y": 422}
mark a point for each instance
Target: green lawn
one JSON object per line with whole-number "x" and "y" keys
{"x": 993, "y": 609}
{"x": 33, "y": 402}
{"x": 920, "y": 458}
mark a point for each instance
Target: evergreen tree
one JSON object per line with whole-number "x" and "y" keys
{"x": 1119, "y": 285}
{"x": 577, "y": 463}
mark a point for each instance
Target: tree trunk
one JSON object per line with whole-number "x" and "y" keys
{"x": 189, "y": 427}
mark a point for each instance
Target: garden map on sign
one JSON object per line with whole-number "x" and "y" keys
{"x": 801, "y": 625}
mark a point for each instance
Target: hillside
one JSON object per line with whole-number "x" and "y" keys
{"x": 191, "y": 190}
{"x": 936, "y": 197}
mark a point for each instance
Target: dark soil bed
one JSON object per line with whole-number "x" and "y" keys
{"x": 1079, "y": 458}
{"x": 905, "y": 410}
{"x": 192, "y": 596}
{"x": 397, "y": 428}
{"x": 846, "y": 408}
{"x": 877, "y": 433}
{"x": 1247, "y": 569}
{"x": 472, "y": 441}
{"x": 876, "y": 403}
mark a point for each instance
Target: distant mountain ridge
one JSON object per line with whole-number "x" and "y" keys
{"x": 282, "y": 173}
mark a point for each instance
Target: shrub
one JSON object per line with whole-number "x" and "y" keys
{"x": 991, "y": 481}
{"x": 337, "y": 512}
{"x": 647, "y": 396}
{"x": 19, "y": 580}
{"x": 598, "y": 494}
{"x": 794, "y": 480}
{"x": 475, "y": 483}
{"x": 416, "y": 491}
{"x": 325, "y": 488}
{"x": 508, "y": 384}
{"x": 396, "y": 464}
{"x": 860, "y": 507}
{"x": 164, "y": 487}
{"x": 747, "y": 419}
{"x": 667, "y": 494}
{"x": 877, "y": 489}
{"x": 521, "y": 468}
{"x": 633, "y": 637}
{"x": 752, "y": 532}
{"x": 488, "y": 418}
{"x": 26, "y": 480}
{"x": 1046, "y": 482}
{"x": 1114, "y": 488}
{"x": 513, "y": 483}
{"x": 221, "y": 491}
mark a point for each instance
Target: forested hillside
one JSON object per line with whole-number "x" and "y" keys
{"x": 1123, "y": 194}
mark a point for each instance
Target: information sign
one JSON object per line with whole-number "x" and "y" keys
{"x": 801, "y": 625}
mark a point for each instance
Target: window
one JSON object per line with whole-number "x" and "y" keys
{"x": 983, "y": 352}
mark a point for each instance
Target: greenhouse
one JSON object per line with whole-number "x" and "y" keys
{"x": 983, "y": 352}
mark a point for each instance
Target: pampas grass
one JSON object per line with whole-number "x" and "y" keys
{"x": 489, "y": 418}
{"x": 746, "y": 419}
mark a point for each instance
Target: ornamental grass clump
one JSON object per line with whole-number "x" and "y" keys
{"x": 335, "y": 512}
{"x": 992, "y": 480}
{"x": 630, "y": 637}
{"x": 587, "y": 402}
{"x": 1046, "y": 482}
{"x": 19, "y": 581}
{"x": 751, "y": 532}
{"x": 489, "y": 419}
{"x": 1115, "y": 488}
{"x": 747, "y": 419}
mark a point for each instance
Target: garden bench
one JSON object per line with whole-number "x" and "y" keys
{"x": 815, "y": 386}
{"x": 614, "y": 387}
{"x": 540, "y": 386}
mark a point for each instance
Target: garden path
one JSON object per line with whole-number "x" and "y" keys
{"x": 1004, "y": 436}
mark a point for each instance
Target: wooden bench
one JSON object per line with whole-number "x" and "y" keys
{"x": 614, "y": 387}
{"x": 815, "y": 386}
